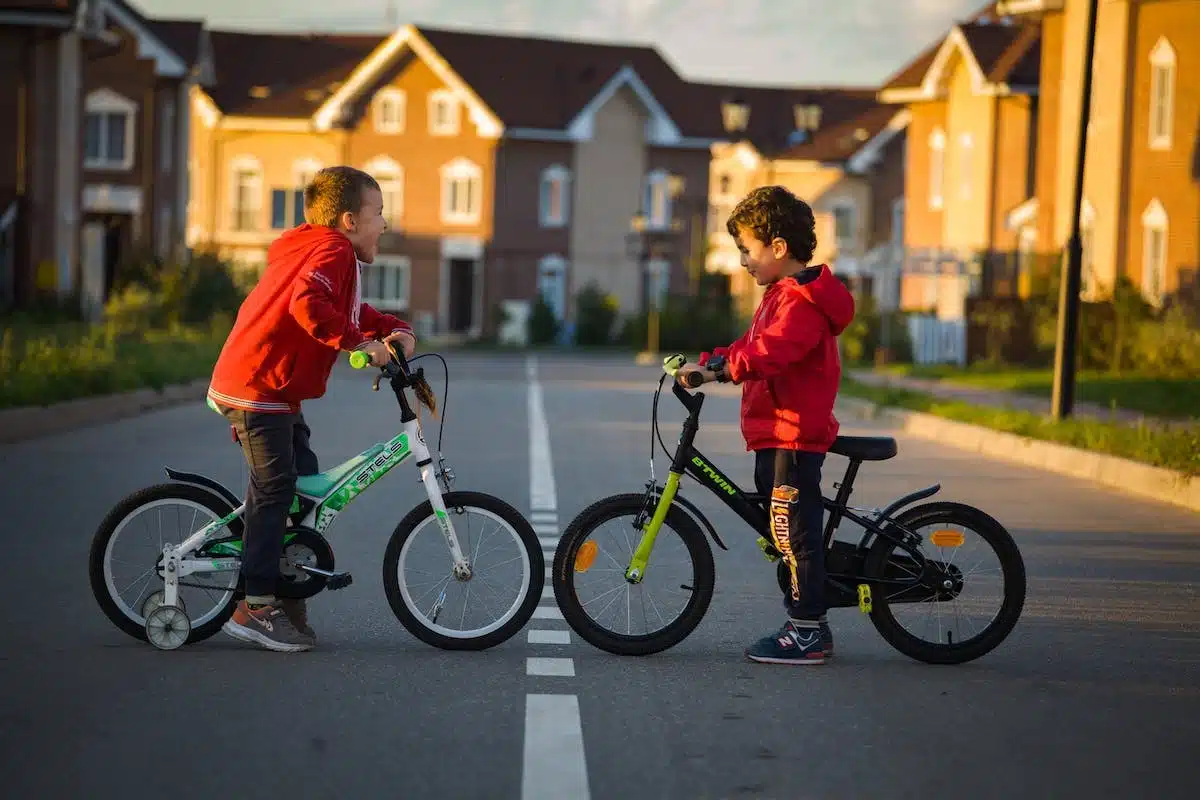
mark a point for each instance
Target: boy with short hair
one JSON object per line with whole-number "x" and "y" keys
{"x": 306, "y": 309}
{"x": 789, "y": 368}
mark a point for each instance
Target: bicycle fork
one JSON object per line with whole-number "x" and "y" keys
{"x": 641, "y": 554}
{"x": 429, "y": 478}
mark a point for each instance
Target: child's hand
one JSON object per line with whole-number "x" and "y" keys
{"x": 380, "y": 355}
{"x": 681, "y": 374}
{"x": 406, "y": 340}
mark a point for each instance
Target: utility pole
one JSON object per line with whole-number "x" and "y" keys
{"x": 1062, "y": 400}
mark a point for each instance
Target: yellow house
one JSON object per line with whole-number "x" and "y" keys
{"x": 838, "y": 149}
{"x": 974, "y": 105}
{"x": 1141, "y": 202}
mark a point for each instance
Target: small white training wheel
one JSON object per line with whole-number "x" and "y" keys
{"x": 168, "y": 627}
{"x": 155, "y": 600}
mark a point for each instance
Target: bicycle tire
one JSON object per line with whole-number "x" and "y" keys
{"x": 1012, "y": 565}
{"x": 468, "y": 500}
{"x": 562, "y": 578}
{"x": 123, "y": 509}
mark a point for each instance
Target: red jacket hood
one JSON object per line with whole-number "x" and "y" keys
{"x": 824, "y": 291}
{"x": 306, "y": 237}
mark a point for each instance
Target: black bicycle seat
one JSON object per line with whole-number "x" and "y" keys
{"x": 864, "y": 448}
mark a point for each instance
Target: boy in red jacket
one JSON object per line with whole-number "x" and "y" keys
{"x": 305, "y": 310}
{"x": 789, "y": 369}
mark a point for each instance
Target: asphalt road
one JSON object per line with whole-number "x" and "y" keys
{"x": 1096, "y": 693}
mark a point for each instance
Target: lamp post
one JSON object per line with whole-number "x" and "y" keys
{"x": 640, "y": 250}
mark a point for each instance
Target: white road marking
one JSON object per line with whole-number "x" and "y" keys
{"x": 543, "y": 517}
{"x": 541, "y": 467}
{"x": 543, "y": 528}
{"x": 548, "y": 594}
{"x": 549, "y": 637}
{"x": 554, "y": 764}
{"x": 554, "y": 667}
{"x": 547, "y": 612}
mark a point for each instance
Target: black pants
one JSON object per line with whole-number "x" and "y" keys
{"x": 792, "y": 481}
{"x": 277, "y": 452}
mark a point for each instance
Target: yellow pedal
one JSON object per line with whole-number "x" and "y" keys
{"x": 763, "y": 544}
{"x": 864, "y": 598}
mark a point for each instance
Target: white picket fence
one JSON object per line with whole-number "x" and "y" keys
{"x": 938, "y": 341}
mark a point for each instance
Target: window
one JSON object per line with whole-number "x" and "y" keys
{"x": 391, "y": 185}
{"x": 386, "y": 282}
{"x": 554, "y": 194}
{"x": 287, "y": 204}
{"x": 724, "y": 184}
{"x": 443, "y": 113}
{"x": 108, "y": 131}
{"x": 166, "y": 134}
{"x": 462, "y": 192}
{"x": 735, "y": 116}
{"x": 1154, "y": 252}
{"x": 389, "y": 106}
{"x": 247, "y": 182}
{"x": 844, "y": 224}
{"x": 657, "y": 202}
{"x": 937, "y": 167}
{"x": 1162, "y": 94}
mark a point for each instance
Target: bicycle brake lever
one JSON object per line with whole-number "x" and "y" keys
{"x": 375, "y": 382}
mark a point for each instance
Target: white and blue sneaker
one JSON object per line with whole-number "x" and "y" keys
{"x": 794, "y": 643}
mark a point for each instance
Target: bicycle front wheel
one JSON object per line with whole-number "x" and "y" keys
{"x": 452, "y": 612}
{"x": 614, "y": 615}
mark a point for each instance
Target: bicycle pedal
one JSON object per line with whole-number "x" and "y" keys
{"x": 768, "y": 549}
{"x": 338, "y": 580}
{"x": 864, "y": 598}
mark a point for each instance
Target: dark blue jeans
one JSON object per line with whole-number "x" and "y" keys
{"x": 791, "y": 479}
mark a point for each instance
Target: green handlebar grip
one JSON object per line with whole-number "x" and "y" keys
{"x": 671, "y": 364}
{"x": 359, "y": 359}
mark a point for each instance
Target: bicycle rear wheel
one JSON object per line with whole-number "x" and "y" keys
{"x": 429, "y": 602}
{"x": 682, "y": 558}
{"x": 944, "y": 594}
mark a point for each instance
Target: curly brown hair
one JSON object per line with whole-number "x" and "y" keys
{"x": 772, "y": 212}
{"x": 333, "y": 192}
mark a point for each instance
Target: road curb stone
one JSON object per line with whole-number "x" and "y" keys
{"x": 1131, "y": 477}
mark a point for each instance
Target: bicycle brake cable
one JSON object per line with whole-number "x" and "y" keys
{"x": 445, "y": 393}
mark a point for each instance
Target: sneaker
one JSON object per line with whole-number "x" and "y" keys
{"x": 826, "y": 639}
{"x": 266, "y": 626}
{"x": 297, "y": 612}
{"x": 790, "y": 645}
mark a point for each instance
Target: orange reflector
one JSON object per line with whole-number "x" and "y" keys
{"x": 586, "y": 556}
{"x": 947, "y": 538}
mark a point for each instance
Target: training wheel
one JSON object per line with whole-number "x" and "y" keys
{"x": 167, "y": 627}
{"x": 155, "y": 600}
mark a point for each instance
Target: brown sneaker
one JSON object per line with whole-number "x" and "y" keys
{"x": 266, "y": 626}
{"x": 297, "y": 612}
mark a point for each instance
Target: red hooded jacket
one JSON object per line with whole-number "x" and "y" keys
{"x": 788, "y": 362}
{"x": 306, "y": 308}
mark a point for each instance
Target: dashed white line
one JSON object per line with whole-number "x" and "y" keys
{"x": 547, "y": 612}
{"x": 549, "y": 637}
{"x": 555, "y": 667}
{"x": 555, "y": 767}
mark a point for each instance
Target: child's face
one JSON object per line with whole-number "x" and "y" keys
{"x": 364, "y": 228}
{"x": 766, "y": 263}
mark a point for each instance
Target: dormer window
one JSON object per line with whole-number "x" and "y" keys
{"x": 808, "y": 117}
{"x": 736, "y": 116}
{"x": 389, "y": 105}
{"x": 443, "y": 113}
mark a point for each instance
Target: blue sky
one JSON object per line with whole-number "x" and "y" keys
{"x": 737, "y": 41}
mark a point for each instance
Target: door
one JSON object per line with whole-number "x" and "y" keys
{"x": 462, "y": 294}
{"x": 92, "y": 269}
{"x": 552, "y": 285}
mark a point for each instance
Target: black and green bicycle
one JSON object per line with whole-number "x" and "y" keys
{"x": 886, "y": 573}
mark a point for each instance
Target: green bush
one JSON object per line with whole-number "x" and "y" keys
{"x": 595, "y": 316}
{"x": 543, "y": 325}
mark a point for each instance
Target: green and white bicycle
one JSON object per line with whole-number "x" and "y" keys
{"x": 204, "y": 557}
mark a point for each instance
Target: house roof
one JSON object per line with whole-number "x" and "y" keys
{"x": 181, "y": 35}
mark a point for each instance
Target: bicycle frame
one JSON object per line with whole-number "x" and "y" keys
{"x": 320, "y": 498}
{"x": 751, "y": 506}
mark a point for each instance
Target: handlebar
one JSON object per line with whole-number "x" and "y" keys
{"x": 397, "y": 366}
{"x": 671, "y": 365}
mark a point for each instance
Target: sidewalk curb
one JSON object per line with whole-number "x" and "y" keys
{"x": 1130, "y": 477}
{"x": 21, "y": 424}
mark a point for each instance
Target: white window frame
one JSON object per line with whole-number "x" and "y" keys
{"x": 390, "y": 176}
{"x": 560, "y": 176}
{"x": 395, "y": 100}
{"x": 849, "y": 243}
{"x": 657, "y": 199}
{"x": 253, "y": 168}
{"x": 937, "y": 169}
{"x": 1162, "y": 70}
{"x": 106, "y": 102}
{"x": 1154, "y": 221}
{"x": 451, "y": 126}
{"x": 461, "y": 172}
{"x": 401, "y": 265}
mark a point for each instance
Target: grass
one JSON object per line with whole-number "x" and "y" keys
{"x": 1151, "y": 395}
{"x": 1177, "y": 449}
{"x": 41, "y": 364}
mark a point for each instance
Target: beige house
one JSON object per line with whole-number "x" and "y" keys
{"x": 838, "y": 149}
